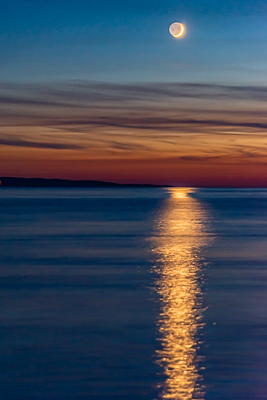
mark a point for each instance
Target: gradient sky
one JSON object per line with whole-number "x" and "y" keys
{"x": 100, "y": 90}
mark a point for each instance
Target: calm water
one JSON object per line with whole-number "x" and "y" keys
{"x": 133, "y": 294}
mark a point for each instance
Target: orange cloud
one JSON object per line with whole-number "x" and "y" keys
{"x": 185, "y": 134}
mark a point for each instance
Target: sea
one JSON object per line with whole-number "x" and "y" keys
{"x": 133, "y": 294}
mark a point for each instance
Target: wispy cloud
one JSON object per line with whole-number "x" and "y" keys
{"x": 156, "y": 123}
{"x": 40, "y": 145}
{"x": 134, "y": 117}
{"x": 84, "y": 92}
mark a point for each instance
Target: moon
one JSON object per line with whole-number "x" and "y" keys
{"x": 177, "y": 29}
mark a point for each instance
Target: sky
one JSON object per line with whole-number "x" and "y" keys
{"x": 100, "y": 90}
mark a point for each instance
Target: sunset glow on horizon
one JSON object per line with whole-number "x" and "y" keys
{"x": 192, "y": 135}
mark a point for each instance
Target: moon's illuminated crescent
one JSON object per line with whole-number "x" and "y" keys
{"x": 177, "y": 29}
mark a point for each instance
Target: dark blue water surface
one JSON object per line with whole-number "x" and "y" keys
{"x": 133, "y": 294}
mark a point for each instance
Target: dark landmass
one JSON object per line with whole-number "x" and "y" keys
{"x": 64, "y": 183}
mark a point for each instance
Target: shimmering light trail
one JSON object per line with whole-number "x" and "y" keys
{"x": 181, "y": 236}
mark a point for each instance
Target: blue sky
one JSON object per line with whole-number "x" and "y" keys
{"x": 129, "y": 41}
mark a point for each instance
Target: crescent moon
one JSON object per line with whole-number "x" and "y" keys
{"x": 181, "y": 32}
{"x": 177, "y": 26}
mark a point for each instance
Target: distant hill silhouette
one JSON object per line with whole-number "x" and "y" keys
{"x": 40, "y": 182}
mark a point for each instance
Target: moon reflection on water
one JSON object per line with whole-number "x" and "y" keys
{"x": 180, "y": 238}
